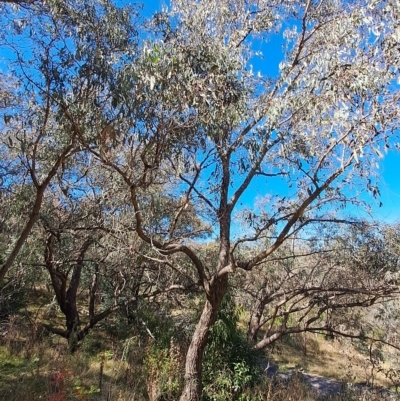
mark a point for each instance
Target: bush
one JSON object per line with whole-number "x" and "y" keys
{"x": 231, "y": 368}
{"x": 163, "y": 371}
{"x": 11, "y": 301}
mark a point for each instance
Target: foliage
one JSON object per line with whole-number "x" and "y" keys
{"x": 124, "y": 376}
{"x": 163, "y": 367}
{"x": 231, "y": 368}
{"x": 12, "y": 298}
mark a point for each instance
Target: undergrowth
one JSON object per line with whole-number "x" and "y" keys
{"x": 143, "y": 360}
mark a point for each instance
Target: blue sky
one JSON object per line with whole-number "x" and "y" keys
{"x": 390, "y": 188}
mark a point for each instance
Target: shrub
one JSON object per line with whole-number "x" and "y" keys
{"x": 231, "y": 368}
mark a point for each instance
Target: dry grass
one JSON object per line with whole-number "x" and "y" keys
{"x": 107, "y": 368}
{"x": 36, "y": 363}
{"x": 336, "y": 359}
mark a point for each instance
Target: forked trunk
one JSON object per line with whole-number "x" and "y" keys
{"x": 194, "y": 358}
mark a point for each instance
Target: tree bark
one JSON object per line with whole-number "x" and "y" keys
{"x": 194, "y": 357}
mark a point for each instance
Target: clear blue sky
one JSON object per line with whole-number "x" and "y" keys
{"x": 390, "y": 188}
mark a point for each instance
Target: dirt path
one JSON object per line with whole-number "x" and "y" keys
{"x": 323, "y": 386}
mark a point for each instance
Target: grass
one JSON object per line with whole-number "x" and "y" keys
{"x": 48, "y": 372}
{"x": 109, "y": 365}
{"x": 36, "y": 363}
{"x": 335, "y": 359}
{"x": 107, "y": 368}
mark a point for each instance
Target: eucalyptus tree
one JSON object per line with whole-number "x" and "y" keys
{"x": 61, "y": 57}
{"x": 63, "y": 100}
{"x": 89, "y": 247}
{"x": 317, "y": 283}
{"x": 306, "y": 141}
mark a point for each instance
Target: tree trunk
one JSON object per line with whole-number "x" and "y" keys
{"x": 24, "y": 233}
{"x": 254, "y": 323}
{"x": 71, "y": 314}
{"x": 194, "y": 358}
{"x": 256, "y": 315}
{"x": 34, "y": 215}
{"x": 218, "y": 286}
